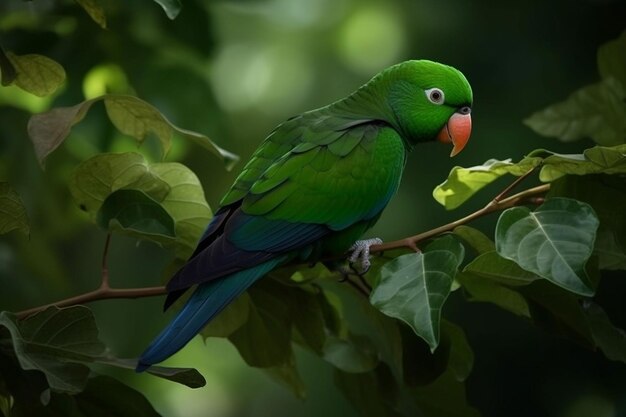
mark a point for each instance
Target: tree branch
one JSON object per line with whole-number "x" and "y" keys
{"x": 531, "y": 196}
{"x": 524, "y": 197}
{"x": 104, "y": 292}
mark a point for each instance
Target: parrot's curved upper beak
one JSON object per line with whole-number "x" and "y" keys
{"x": 457, "y": 130}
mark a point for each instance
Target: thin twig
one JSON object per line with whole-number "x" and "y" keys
{"x": 493, "y": 205}
{"x": 104, "y": 291}
{"x": 105, "y": 267}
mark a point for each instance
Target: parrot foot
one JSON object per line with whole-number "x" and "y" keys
{"x": 361, "y": 253}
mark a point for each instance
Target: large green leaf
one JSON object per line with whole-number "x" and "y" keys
{"x": 491, "y": 266}
{"x": 348, "y": 313}
{"x": 596, "y": 160}
{"x": 475, "y": 238}
{"x": 131, "y": 115}
{"x": 484, "y": 290}
{"x": 135, "y": 213}
{"x": 57, "y": 342}
{"x": 597, "y": 111}
{"x": 462, "y": 183}
{"x": 612, "y": 59}
{"x": 37, "y": 74}
{"x": 60, "y": 343}
{"x": 13, "y": 215}
{"x": 186, "y": 204}
{"x": 414, "y": 287}
{"x": 174, "y": 187}
{"x": 103, "y": 397}
{"x": 100, "y": 176}
{"x": 555, "y": 241}
{"x": 610, "y": 245}
{"x": 265, "y": 339}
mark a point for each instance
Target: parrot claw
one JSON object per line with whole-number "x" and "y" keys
{"x": 361, "y": 253}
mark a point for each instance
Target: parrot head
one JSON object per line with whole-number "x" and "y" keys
{"x": 429, "y": 101}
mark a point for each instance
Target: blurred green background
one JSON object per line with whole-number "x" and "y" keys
{"x": 235, "y": 69}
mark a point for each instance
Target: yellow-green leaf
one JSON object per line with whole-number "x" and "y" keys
{"x": 462, "y": 183}
{"x": 37, "y": 74}
{"x": 172, "y": 185}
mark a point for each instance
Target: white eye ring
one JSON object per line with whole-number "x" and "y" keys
{"x": 435, "y": 95}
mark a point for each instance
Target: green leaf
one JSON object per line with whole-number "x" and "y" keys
{"x": 354, "y": 354}
{"x": 493, "y": 267}
{"x": 484, "y": 290}
{"x": 174, "y": 187}
{"x": 444, "y": 398}
{"x": 596, "y": 160}
{"x": 37, "y": 74}
{"x": 612, "y": 59}
{"x": 184, "y": 376}
{"x": 597, "y": 111}
{"x": 347, "y": 313}
{"x": 131, "y": 115}
{"x": 610, "y": 245}
{"x": 95, "y": 11}
{"x": 13, "y": 214}
{"x": 7, "y": 70}
{"x": 610, "y": 339}
{"x": 414, "y": 287}
{"x": 48, "y": 130}
{"x": 558, "y": 311}
{"x": 171, "y": 7}
{"x": 102, "y": 175}
{"x": 135, "y": 213}
{"x": 287, "y": 374}
{"x": 230, "y": 319}
{"x": 103, "y": 397}
{"x": 475, "y": 238}
{"x": 555, "y": 241}
{"x": 265, "y": 340}
{"x": 462, "y": 183}
{"x": 186, "y": 204}
{"x": 57, "y": 342}
{"x": 372, "y": 394}
{"x": 461, "y": 356}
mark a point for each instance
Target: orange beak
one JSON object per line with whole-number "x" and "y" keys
{"x": 456, "y": 131}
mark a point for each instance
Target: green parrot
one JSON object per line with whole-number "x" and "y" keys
{"x": 314, "y": 186}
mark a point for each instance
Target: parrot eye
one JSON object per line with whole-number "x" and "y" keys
{"x": 435, "y": 95}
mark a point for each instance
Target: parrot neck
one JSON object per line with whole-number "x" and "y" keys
{"x": 369, "y": 103}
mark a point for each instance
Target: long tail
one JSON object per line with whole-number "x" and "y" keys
{"x": 204, "y": 304}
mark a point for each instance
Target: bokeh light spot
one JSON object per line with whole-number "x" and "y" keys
{"x": 371, "y": 39}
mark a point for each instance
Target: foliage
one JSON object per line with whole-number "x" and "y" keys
{"x": 393, "y": 353}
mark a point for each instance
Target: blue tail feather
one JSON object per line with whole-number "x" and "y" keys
{"x": 204, "y": 304}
